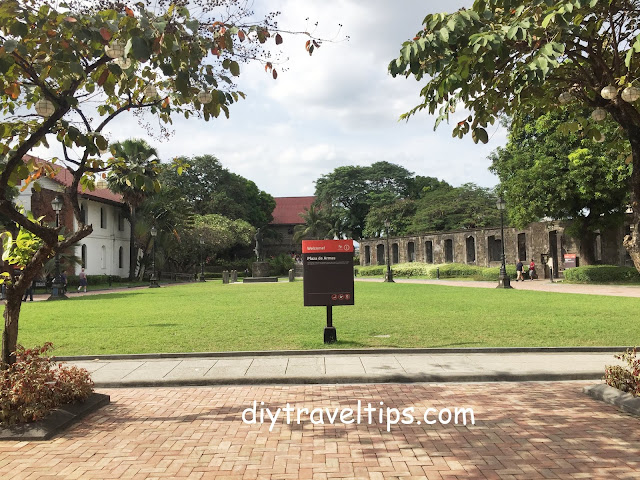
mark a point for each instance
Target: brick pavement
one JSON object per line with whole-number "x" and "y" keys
{"x": 522, "y": 431}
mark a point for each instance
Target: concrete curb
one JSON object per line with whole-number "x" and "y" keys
{"x": 360, "y": 351}
{"x": 368, "y": 379}
{"x": 613, "y": 396}
{"x": 57, "y": 421}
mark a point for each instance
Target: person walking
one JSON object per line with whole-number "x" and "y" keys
{"x": 519, "y": 267}
{"x": 29, "y": 292}
{"x": 532, "y": 269}
{"x": 83, "y": 281}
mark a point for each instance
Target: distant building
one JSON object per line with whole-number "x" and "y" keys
{"x": 286, "y": 216}
{"x": 483, "y": 247}
{"x": 106, "y": 250}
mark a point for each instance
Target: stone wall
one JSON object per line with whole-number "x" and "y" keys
{"x": 483, "y": 247}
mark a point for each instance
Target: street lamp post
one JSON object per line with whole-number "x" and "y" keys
{"x": 56, "y": 286}
{"x": 201, "y": 260}
{"x": 503, "y": 279}
{"x": 389, "y": 276}
{"x": 153, "y": 282}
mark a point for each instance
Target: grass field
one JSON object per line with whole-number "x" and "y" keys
{"x": 215, "y": 317}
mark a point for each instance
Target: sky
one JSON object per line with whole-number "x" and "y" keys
{"x": 338, "y": 107}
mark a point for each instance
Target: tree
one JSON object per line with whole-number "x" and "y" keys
{"x": 356, "y": 189}
{"x": 316, "y": 225}
{"x": 82, "y": 68}
{"x": 508, "y": 56}
{"x": 545, "y": 173}
{"x": 211, "y": 188}
{"x": 140, "y": 161}
{"x": 464, "y": 207}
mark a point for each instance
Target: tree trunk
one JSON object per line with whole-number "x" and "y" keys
{"x": 133, "y": 257}
{"x": 10, "y": 332}
{"x": 632, "y": 242}
{"x": 587, "y": 242}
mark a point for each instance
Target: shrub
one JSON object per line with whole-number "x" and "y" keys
{"x": 492, "y": 273}
{"x": 601, "y": 274}
{"x": 626, "y": 379}
{"x": 281, "y": 264}
{"x": 35, "y": 385}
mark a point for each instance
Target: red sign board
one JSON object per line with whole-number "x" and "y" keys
{"x": 570, "y": 260}
{"x": 328, "y": 272}
{"x": 327, "y": 246}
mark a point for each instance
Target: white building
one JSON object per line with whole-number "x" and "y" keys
{"x": 106, "y": 250}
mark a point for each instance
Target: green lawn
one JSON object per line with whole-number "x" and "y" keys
{"x": 214, "y": 317}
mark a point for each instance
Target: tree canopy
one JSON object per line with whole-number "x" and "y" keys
{"x": 351, "y": 191}
{"x": 516, "y": 56}
{"x": 211, "y": 188}
{"x": 70, "y": 72}
{"x": 545, "y": 173}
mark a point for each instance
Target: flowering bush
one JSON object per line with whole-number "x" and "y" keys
{"x": 626, "y": 379}
{"x": 34, "y": 385}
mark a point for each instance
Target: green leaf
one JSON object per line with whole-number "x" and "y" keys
{"x": 479, "y": 134}
{"x": 10, "y": 45}
{"x": 444, "y": 34}
{"x": 141, "y": 49}
{"x": 512, "y": 32}
{"x": 234, "y": 68}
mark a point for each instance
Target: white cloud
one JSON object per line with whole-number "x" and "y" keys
{"x": 337, "y": 107}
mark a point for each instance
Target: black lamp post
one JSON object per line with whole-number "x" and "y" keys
{"x": 153, "y": 282}
{"x": 56, "y": 286}
{"x": 503, "y": 279}
{"x": 389, "y": 276}
{"x": 201, "y": 260}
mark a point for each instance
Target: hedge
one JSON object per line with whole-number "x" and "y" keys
{"x": 447, "y": 270}
{"x": 601, "y": 274}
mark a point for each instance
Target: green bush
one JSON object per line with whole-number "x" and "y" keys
{"x": 35, "y": 385}
{"x": 428, "y": 270}
{"x": 601, "y": 274}
{"x": 281, "y": 264}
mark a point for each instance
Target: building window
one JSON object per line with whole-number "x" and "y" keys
{"x": 103, "y": 218}
{"x": 103, "y": 257}
{"x": 448, "y": 251}
{"x": 428, "y": 251}
{"x": 380, "y": 254}
{"x": 522, "y": 246}
{"x": 83, "y": 256}
{"x": 120, "y": 257}
{"x": 395, "y": 253}
{"x": 367, "y": 255}
{"x": 471, "y": 250}
{"x": 83, "y": 213}
{"x": 121, "y": 222}
{"x": 494, "y": 246}
{"x": 411, "y": 251}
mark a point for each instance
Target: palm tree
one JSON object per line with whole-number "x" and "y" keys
{"x": 316, "y": 225}
{"x": 133, "y": 175}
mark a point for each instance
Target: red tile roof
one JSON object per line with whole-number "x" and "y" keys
{"x": 64, "y": 177}
{"x": 288, "y": 210}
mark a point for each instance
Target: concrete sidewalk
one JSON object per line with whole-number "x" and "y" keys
{"x": 331, "y": 368}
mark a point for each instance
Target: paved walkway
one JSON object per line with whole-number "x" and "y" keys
{"x": 522, "y": 431}
{"x": 331, "y": 368}
{"x": 535, "y": 285}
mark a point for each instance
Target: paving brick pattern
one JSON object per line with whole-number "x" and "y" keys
{"x": 522, "y": 431}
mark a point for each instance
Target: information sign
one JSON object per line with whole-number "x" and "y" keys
{"x": 328, "y": 272}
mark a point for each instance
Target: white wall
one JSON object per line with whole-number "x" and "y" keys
{"x": 99, "y": 261}
{"x": 103, "y": 245}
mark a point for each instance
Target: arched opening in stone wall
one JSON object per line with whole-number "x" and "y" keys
{"x": 411, "y": 252}
{"x": 395, "y": 257}
{"x": 471, "y": 250}
{"x": 428, "y": 251}
{"x": 380, "y": 254}
{"x": 367, "y": 255}
{"x": 448, "y": 251}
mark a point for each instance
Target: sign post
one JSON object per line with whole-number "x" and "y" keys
{"x": 328, "y": 277}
